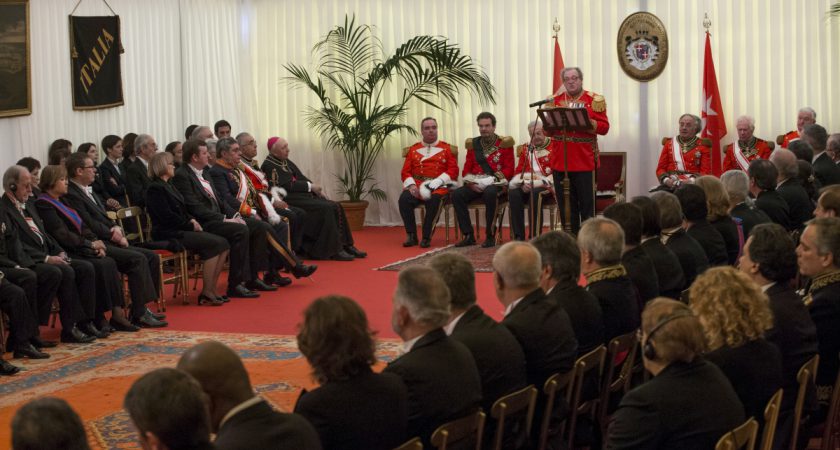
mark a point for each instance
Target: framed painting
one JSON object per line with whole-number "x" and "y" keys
{"x": 15, "y": 80}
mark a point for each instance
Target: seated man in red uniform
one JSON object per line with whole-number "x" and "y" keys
{"x": 487, "y": 169}
{"x": 581, "y": 147}
{"x": 749, "y": 146}
{"x": 532, "y": 171}
{"x": 430, "y": 166}
{"x": 806, "y": 116}
{"x": 685, "y": 156}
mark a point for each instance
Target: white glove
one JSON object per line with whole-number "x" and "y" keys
{"x": 485, "y": 181}
{"x": 436, "y": 183}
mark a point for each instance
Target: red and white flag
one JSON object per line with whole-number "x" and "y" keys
{"x": 558, "y": 66}
{"x": 714, "y": 125}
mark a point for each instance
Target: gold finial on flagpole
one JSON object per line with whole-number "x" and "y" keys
{"x": 707, "y": 23}
{"x": 556, "y": 27}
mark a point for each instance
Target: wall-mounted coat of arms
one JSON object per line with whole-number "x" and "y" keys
{"x": 642, "y": 46}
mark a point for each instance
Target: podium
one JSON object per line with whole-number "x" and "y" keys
{"x": 559, "y": 121}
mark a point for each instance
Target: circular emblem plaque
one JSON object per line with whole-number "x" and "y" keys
{"x": 642, "y": 46}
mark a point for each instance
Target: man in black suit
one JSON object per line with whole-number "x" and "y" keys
{"x": 22, "y": 325}
{"x": 241, "y": 419}
{"x": 691, "y": 255}
{"x": 601, "y": 242}
{"x": 142, "y": 266}
{"x": 789, "y": 187}
{"x": 694, "y": 207}
{"x": 825, "y": 170}
{"x": 665, "y": 262}
{"x": 635, "y": 260}
{"x": 439, "y": 372}
{"x": 42, "y": 254}
{"x": 763, "y": 177}
{"x": 137, "y": 177}
{"x": 192, "y": 180}
{"x": 111, "y": 174}
{"x": 737, "y": 186}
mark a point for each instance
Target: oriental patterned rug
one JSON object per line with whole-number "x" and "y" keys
{"x": 94, "y": 378}
{"x": 481, "y": 258}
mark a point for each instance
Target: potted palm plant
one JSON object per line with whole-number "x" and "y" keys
{"x": 351, "y": 79}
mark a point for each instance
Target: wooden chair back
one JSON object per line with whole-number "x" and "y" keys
{"x": 617, "y": 374}
{"x": 588, "y": 365}
{"x": 771, "y": 419}
{"x": 414, "y": 444}
{"x": 831, "y": 431}
{"x": 133, "y": 213}
{"x": 742, "y": 437}
{"x": 805, "y": 377}
{"x": 460, "y": 431}
{"x": 557, "y": 384}
{"x": 516, "y": 402}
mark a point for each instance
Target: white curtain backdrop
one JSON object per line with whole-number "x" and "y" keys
{"x": 197, "y": 61}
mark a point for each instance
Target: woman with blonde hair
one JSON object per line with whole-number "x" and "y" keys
{"x": 717, "y": 202}
{"x": 735, "y": 314}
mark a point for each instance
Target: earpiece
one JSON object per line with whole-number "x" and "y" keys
{"x": 647, "y": 349}
{"x": 13, "y": 187}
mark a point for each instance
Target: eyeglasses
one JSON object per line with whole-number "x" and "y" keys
{"x": 89, "y": 167}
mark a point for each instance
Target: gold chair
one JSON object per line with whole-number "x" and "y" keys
{"x": 771, "y": 418}
{"x": 445, "y": 202}
{"x": 460, "y": 431}
{"x": 477, "y": 205}
{"x": 741, "y": 437}
{"x": 414, "y": 444}
{"x": 805, "y": 377}
{"x": 828, "y": 438}
{"x": 626, "y": 345}
{"x": 557, "y": 383}
{"x": 584, "y": 366}
{"x": 515, "y": 402}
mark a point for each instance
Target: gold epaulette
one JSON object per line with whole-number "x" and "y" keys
{"x": 405, "y": 150}
{"x": 599, "y": 103}
{"x": 507, "y": 142}
{"x": 706, "y": 142}
{"x": 468, "y": 144}
{"x": 665, "y": 140}
{"x": 770, "y": 145}
{"x": 780, "y": 139}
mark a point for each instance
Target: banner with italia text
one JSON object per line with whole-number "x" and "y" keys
{"x": 95, "y": 50}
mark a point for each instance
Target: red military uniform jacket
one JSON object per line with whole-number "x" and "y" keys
{"x": 543, "y": 157}
{"x": 755, "y": 149}
{"x": 787, "y": 138}
{"x": 499, "y": 157}
{"x": 429, "y": 161}
{"x": 696, "y": 156}
{"x": 582, "y": 147}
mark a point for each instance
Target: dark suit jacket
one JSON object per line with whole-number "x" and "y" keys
{"x": 500, "y": 359}
{"x": 166, "y": 207}
{"x": 584, "y": 313}
{"x": 367, "y": 411}
{"x": 728, "y": 230}
{"x": 794, "y": 333}
{"x": 775, "y": 207}
{"x": 667, "y": 266}
{"x": 642, "y": 273}
{"x": 136, "y": 181}
{"x": 199, "y": 204}
{"x": 687, "y": 406}
{"x": 259, "y": 426}
{"x": 64, "y": 231}
{"x": 711, "y": 241}
{"x": 93, "y": 213}
{"x": 691, "y": 255}
{"x": 225, "y": 182}
{"x": 825, "y": 312}
{"x": 619, "y": 304}
{"x": 750, "y": 216}
{"x": 442, "y": 381}
{"x": 113, "y": 181}
{"x": 825, "y": 170}
{"x": 294, "y": 181}
{"x": 35, "y": 249}
{"x": 799, "y": 203}
{"x": 11, "y": 252}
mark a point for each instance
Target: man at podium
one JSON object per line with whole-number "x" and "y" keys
{"x": 581, "y": 147}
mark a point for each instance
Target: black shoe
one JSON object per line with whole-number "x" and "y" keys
{"x": 28, "y": 351}
{"x": 158, "y": 316}
{"x": 7, "y": 369}
{"x": 38, "y": 343}
{"x": 343, "y": 256}
{"x": 76, "y": 336}
{"x": 275, "y": 279}
{"x": 91, "y": 330}
{"x": 259, "y": 285}
{"x": 411, "y": 241}
{"x": 425, "y": 243}
{"x": 489, "y": 242}
{"x": 123, "y": 326}
{"x": 304, "y": 270}
{"x": 147, "y": 321}
{"x": 241, "y": 292}
{"x": 468, "y": 240}
{"x": 209, "y": 301}
{"x": 355, "y": 252}
{"x": 224, "y": 298}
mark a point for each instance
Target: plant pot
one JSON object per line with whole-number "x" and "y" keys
{"x": 355, "y": 212}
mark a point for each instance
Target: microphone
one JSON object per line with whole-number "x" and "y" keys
{"x": 541, "y": 102}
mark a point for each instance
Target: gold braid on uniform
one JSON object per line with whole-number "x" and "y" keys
{"x": 686, "y": 147}
{"x": 749, "y": 149}
{"x": 488, "y": 144}
{"x": 606, "y": 273}
{"x": 819, "y": 283}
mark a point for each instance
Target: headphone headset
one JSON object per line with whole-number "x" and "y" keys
{"x": 647, "y": 349}
{"x": 13, "y": 187}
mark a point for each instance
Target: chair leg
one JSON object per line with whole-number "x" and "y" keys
{"x": 477, "y": 226}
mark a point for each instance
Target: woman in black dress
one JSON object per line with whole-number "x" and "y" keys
{"x": 717, "y": 202}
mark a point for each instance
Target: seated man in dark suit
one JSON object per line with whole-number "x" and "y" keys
{"x": 825, "y": 169}
{"x": 691, "y": 255}
{"x": 789, "y": 188}
{"x": 440, "y": 373}
{"x": 635, "y": 260}
{"x": 559, "y": 279}
{"x": 737, "y": 186}
{"x": 138, "y": 179}
{"x": 601, "y": 242}
{"x": 141, "y": 265}
{"x": 688, "y": 404}
{"x": 695, "y": 209}
{"x": 763, "y": 178}
{"x": 169, "y": 410}
{"x": 111, "y": 174}
{"x": 21, "y": 325}
{"x": 48, "y": 422}
{"x": 665, "y": 262}
{"x": 240, "y": 418}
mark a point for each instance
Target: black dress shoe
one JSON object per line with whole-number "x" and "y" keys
{"x": 28, "y": 351}
{"x": 209, "y": 301}
{"x": 147, "y": 321}
{"x": 158, "y": 316}
{"x": 304, "y": 270}
{"x": 106, "y": 327}
{"x": 39, "y": 343}
{"x": 260, "y": 285}
{"x": 76, "y": 336}
{"x": 6, "y": 368}
{"x": 275, "y": 279}
{"x": 355, "y": 252}
{"x": 91, "y": 330}
{"x": 241, "y": 292}
{"x": 466, "y": 241}
{"x": 343, "y": 256}
{"x": 411, "y": 241}
{"x": 123, "y": 326}
{"x": 489, "y": 242}
{"x": 425, "y": 243}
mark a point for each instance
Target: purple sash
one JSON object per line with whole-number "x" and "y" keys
{"x": 67, "y": 211}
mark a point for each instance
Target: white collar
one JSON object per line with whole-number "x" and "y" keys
{"x": 240, "y": 407}
{"x": 199, "y": 173}
{"x": 433, "y": 144}
{"x": 406, "y": 347}
{"x": 115, "y": 162}
{"x": 450, "y": 327}
{"x": 87, "y": 189}
{"x": 145, "y": 163}
{"x": 817, "y": 156}
{"x": 767, "y": 286}
{"x": 513, "y": 305}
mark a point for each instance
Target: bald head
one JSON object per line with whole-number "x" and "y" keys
{"x": 785, "y": 162}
